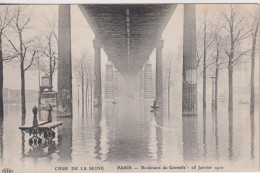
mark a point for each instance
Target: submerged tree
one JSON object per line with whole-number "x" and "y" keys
{"x": 236, "y": 33}
{"x": 50, "y": 48}
{"x": 5, "y": 20}
{"x": 22, "y": 45}
{"x": 219, "y": 61}
{"x": 254, "y": 33}
{"x": 80, "y": 69}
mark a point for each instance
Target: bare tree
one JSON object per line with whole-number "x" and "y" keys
{"x": 23, "y": 47}
{"x": 219, "y": 61}
{"x": 89, "y": 84}
{"x": 80, "y": 69}
{"x": 254, "y": 33}
{"x": 207, "y": 41}
{"x": 236, "y": 33}
{"x": 49, "y": 49}
{"x": 5, "y": 20}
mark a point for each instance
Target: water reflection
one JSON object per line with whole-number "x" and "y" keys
{"x": 128, "y": 137}
{"x": 189, "y": 137}
{"x": 65, "y": 139}
{"x": 252, "y": 143}
{"x": 98, "y": 115}
{"x": 204, "y": 134}
{"x": 159, "y": 140}
{"x": 230, "y": 136}
{"x": 39, "y": 151}
{"x": 128, "y": 131}
{"x": 215, "y": 115}
{"x": 1, "y": 138}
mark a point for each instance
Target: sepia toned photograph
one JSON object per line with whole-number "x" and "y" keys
{"x": 145, "y": 87}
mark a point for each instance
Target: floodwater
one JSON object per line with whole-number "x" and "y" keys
{"x": 129, "y": 133}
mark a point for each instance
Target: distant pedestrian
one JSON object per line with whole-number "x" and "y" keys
{"x": 49, "y": 113}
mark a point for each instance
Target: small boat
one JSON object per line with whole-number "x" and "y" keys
{"x": 155, "y": 106}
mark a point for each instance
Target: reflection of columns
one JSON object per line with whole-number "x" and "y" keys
{"x": 159, "y": 72}
{"x": 190, "y": 137}
{"x": 64, "y": 61}
{"x": 65, "y": 139}
{"x": 189, "y": 86}
{"x": 109, "y": 90}
{"x": 97, "y": 71}
{"x": 148, "y": 89}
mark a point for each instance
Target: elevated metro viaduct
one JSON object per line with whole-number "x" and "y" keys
{"x": 128, "y": 34}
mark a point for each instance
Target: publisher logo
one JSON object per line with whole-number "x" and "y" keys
{"x": 7, "y": 170}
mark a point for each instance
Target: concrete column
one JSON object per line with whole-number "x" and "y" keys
{"x": 97, "y": 72}
{"x": 64, "y": 60}
{"x": 189, "y": 86}
{"x": 148, "y": 83}
{"x": 109, "y": 89}
{"x": 159, "y": 73}
{"x": 141, "y": 77}
{"x": 115, "y": 81}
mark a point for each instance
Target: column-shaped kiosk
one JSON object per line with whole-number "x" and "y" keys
{"x": 64, "y": 61}
{"x": 159, "y": 73}
{"x": 97, "y": 72}
{"x": 189, "y": 86}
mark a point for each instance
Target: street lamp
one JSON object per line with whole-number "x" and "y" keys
{"x": 213, "y": 89}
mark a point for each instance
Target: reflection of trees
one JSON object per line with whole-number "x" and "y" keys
{"x": 1, "y": 139}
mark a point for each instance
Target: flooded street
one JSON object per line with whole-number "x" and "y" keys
{"x": 128, "y": 132}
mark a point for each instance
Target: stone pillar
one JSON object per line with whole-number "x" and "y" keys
{"x": 159, "y": 73}
{"x": 148, "y": 83}
{"x": 115, "y": 80}
{"x": 64, "y": 60}
{"x": 109, "y": 90}
{"x": 189, "y": 85}
{"x": 97, "y": 72}
{"x": 141, "y": 77}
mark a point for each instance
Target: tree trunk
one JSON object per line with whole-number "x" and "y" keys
{"x": 252, "y": 83}
{"x": 252, "y": 96}
{"x": 216, "y": 80}
{"x": 91, "y": 99}
{"x": 86, "y": 98}
{"x": 169, "y": 96}
{"x": 216, "y": 89}
{"x": 51, "y": 72}
{"x": 1, "y": 79}
{"x": 230, "y": 86}
{"x": 82, "y": 92}
{"x": 204, "y": 69}
{"x": 23, "y": 106}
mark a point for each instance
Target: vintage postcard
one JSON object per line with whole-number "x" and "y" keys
{"x": 155, "y": 87}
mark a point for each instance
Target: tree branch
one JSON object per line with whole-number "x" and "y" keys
{"x": 31, "y": 62}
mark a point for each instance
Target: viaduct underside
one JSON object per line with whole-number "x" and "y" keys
{"x": 128, "y": 34}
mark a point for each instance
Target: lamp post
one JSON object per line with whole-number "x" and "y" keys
{"x": 213, "y": 90}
